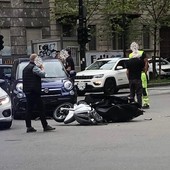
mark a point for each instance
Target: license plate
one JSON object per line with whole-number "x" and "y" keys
{"x": 81, "y": 85}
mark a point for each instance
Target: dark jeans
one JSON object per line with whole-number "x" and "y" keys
{"x": 136, "y": 88}
{"x": 32, "y": 100}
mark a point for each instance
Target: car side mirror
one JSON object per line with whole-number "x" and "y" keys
{"x": 119, "y": 67}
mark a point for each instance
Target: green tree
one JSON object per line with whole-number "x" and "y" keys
{"x": 120, "y": 14}
{"x": 70, "y": 8}
{"x": 151, "y": 13}
{"x": 154, "y": 16}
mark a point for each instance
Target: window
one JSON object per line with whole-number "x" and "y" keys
{"x": 92, "y": 43}
{"x": 32, "y": 34}
{"x": 122, "y": 64}
{"x": 68, "y": 30}
{"x": 117, "y": 41}
{"x": 33, "y": 1}
{"x": 146, "y": 37}
{"x": 68, "y": 25}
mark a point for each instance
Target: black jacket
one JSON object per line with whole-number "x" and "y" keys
{"x": 31, "y": 81}
{"x": 135, "y": 67}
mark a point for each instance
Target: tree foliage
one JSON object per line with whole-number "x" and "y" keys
{"x": 67, "y": 8}
{"x": 155, "y": 14}
{"x": 152, "y": 13}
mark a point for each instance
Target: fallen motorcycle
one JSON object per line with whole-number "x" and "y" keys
{"x": 97, "y": 108}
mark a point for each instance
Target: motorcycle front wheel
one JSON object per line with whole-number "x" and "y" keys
{"x": 59, "y": 115}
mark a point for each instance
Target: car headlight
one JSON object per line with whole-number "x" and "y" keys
{"x": 68, "y": 85}
{"x": 98, "y": 76}
{"x": 4, "y": 100}
{"x": 19, "y": 87}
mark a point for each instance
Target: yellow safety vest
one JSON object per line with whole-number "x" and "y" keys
{"x": 140, "y": 52}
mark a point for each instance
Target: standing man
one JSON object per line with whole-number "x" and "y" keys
{"x": 69, "y": 65}
{"x": 32, "y": 75}
{"x": 135, "y": 51}
{"x": 135, "y": 67}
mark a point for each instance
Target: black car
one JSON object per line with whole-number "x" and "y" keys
{"x": 5, "y": 74}
{"x": 57, "y": 87}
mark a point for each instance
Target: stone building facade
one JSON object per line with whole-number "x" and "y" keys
{"x": 27, "y": 23}
{"x": 22, "y": 21}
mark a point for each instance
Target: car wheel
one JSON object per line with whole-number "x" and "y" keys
{"x": 59, "y": 115}
{"x": 110, "y": 87}
{"x": 81, "y": 93}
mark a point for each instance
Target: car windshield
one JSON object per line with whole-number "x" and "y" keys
{"x": 102, "y": 65}
{"x": 53, "y": 69}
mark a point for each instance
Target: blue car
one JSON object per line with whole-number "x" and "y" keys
{"x": 57, "y": 87}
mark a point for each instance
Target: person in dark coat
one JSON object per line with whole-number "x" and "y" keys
{"x": 32, "y": 75}
{"x": 69, "y": 65}
{"x": 135, "y": 66}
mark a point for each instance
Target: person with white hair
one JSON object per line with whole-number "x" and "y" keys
{"x": 140, "y": 53}
{"x": 135, "y": 66}
{"x": 67, "y": 60}
{"x": 32, "y": 75}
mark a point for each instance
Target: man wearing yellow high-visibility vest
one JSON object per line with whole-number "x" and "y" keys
{"x": 135, "y": 51}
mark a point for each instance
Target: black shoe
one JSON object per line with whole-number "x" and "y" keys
{"x": 48, "y": 128}
{"x": 31, "y": 129}
{"x": 145, "y": 107}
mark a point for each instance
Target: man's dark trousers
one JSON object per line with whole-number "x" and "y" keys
{"x": 32, "y": 99}
{"x": 136, "y": 87}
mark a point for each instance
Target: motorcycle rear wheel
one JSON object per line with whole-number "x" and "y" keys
{"x": 59, "y": 115}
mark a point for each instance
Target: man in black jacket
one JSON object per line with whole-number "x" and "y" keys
{"x": 32, "y": 75}
{"x": 69, "y": 65}
{"x": 135, "y": 67}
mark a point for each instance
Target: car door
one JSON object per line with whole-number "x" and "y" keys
{"x": 120, "y": 69}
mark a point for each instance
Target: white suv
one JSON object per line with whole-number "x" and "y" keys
{"x": 165, "y": 67}
{"x": 104, "y": 75}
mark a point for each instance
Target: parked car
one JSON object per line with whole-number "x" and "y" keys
{"x": 5, "y": 109}
{"x": 5, "y": 74}
{"x": 104, "y": 75}
{"x": 165, "y": 67}
{"x": 56, "y": 87}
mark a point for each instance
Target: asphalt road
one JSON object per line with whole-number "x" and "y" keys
{"x": 141, "y": 144}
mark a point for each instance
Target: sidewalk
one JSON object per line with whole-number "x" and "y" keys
{"x": 158, "y": 84}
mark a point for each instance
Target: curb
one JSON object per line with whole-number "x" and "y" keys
{"x": 158, "y": 84}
